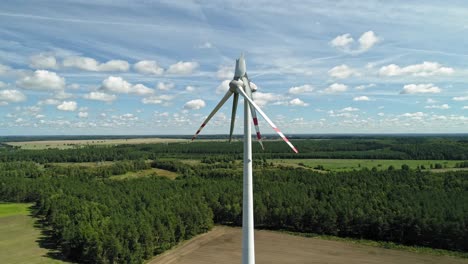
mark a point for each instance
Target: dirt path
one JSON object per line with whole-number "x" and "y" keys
{"x": 223, "y": 245}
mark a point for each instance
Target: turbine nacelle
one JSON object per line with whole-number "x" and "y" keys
{"x": 234, "y": 84}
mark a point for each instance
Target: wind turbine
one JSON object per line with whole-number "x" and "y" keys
{"x": 241, "y": 84}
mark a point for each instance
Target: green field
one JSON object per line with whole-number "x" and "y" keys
{"x": 18, "y": 236}
{"x": 356, "y": 164}
{"x": 146, "y": 173}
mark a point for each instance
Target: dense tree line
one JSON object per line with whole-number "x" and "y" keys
{"x": 368, "y": 148}
{"x": 95, "y": 219}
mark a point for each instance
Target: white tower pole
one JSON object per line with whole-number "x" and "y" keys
{"x": 248, "y": 246}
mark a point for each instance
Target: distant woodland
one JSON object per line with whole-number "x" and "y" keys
{"x": 94, "y": 218}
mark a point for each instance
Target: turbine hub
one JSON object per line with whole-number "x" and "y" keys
{"x": 234, "y": 84}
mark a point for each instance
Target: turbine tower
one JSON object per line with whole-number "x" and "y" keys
{"x": 241, "y": 84}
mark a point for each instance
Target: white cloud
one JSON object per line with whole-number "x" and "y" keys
{"x": 364, "y": 86}
{"x": 416, "y": 115}
{"x": 420, "y": 88}
{"x": 306, "y": 88}
{"x": 42, "y": 80}
{"x": 157, "y": 99}
{"x": 99, "y": 96}
{"x": 119, "y": 85}
{"x": 140, "y": 89}
{"x": 223, "y": 87}
{"x": 49, "y": 102}
{"x": 190, "y": 89}
{"x": 148, "y": 67}
{"x": 430, "y": 101}
{"x": 73, "y": 86}
{"x": 67, "y": 106}
{"x": 298, "y": 102}
{"x": 368, "y": 40}
{"x": 43, "y": 61}
{"x": 61, "y": 95}
{"x": 349, "y": 109}
{"x": 465, "y": 107}
{"x": 342, "y": 41}
{"x": 182, "y": 68}
{"x": 83, "y": 114}
{"x": 90, "y": 64}
{"x": 460, "y": 98}
{"x": 2, "y": 85}
{"x": 225, "y": 72}
{"x": 442, "y": 106}
{"x": 165, "y": 86}
{"x": 116, "y": 85}
{"x": 195, "y": 104}
{"x": 12, "y": 96}
{"x": 341, "y": 72}
{"x": 336, "y": 88}
{"x": 263, "y": 99}
{"x": 424, "y": 69}
{"x": 361, "y": 98}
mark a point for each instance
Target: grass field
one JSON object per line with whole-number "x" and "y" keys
{"x": 67, "y": 144}
{"x": 356, "y": 164}
{"x": 19, "y": 238}
{"x": 223, "y": 245}
{"x": 146, "y": 173}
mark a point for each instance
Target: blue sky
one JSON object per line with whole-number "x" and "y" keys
{"x": 159, "y": 67}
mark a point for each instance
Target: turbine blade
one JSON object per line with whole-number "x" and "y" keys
{"x": 248, "y": 91}
{"x": 233, "y": 116}
{"x": 217, "y": 107}
{"x": 246, "y": 97}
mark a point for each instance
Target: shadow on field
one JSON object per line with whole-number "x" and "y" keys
{"x": 46, "y": 239}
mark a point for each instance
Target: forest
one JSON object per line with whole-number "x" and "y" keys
{"x": 96, "y": 219}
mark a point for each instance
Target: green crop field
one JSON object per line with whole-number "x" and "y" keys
{"x": 356, "y": 164}
{"x": 18, "y": 236}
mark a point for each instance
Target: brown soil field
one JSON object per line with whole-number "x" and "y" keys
{"x": 65, "y": 144}
{"x": 223, "y": 245}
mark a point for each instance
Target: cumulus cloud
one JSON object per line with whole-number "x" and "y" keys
{"x": 90, "y": 64}
{"x": 349, "y": 109}
{"x": 442, "y": 106}
{"x": 465, "y": 107}
{"x": 430, "y": 101}
{"x": 424, "y": 69}
{"x": 115, "y": 84}
{"x": 195, "y": 104}
{"x": 460, "y": 98}
{"x": 298, "y": 102}
{"x": 83, "y": 114}
{"x": 336, "y": 88}
{"x": 182, "y": 68}
{"x": 420, "y": 88}
{"x": 67, "y": 106}
{"x": 189, "y": 89}
{"x": 306, "y": 88}
{"x": 157, "y": 99}
{"x": 148, "y": 67}
{"x": 49, "y": 102}
{"x": 42, "y": 80}
{"x": 11, "y": 96}
{"x": 361, "y": 98}
{"x": 368, "y": 40}
{"x": 364, "y": 86}
{"x": 225, "y": 72}
{"x": 100, "y": 96}
{"x": 342, "y": 72}
{"x": 140, "y": 89}
{"x": 416, "y": 115}
{"x": 43, "y": 61}
{"x": 223, "y": 87}
{"x": 263, "y": 99}
{"x": 165, "y": 86}
{"x": 345, "y": 42}
{"x": 342, "y": 41}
